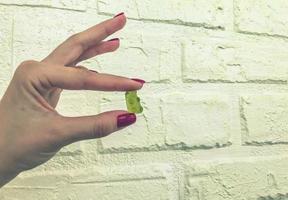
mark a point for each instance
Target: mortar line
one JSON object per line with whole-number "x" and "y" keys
{"x": 40, "y": 6}
{"x": 12, "y": 44}
{"x": 119, "y": 181}
{"x": 173, "y": 22}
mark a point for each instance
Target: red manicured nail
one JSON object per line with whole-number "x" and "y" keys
{"x": 126, "y": 119}
{"x": 114, "y": 39}
{"x": 138, "y": 80}
{"x": 122, "y": 13}
{"x": 93, "y": 71}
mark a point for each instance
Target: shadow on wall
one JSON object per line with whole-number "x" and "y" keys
{"x": 277, "y": 197}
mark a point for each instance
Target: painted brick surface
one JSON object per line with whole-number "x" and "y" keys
{"x": 35, "y": 187}
{"x": 214, "y": 125}
{"x": 148, "y": 133}
{"x": 35, "y": 27}
{"x": 267, "y": 17}
{"x": 147, "y": 181}
{"x": 64, "y": 4}
{"x": 26, "y": 2}
{"x": 235, "y": 59}
{"x": 241, "y": 179}
{"x": 6, "y": 21}
{"x": 195, "y": 12}
{"x": 204, "y": 120}
{"x": 154, "y": 55}
{"x": 265, "y": 118}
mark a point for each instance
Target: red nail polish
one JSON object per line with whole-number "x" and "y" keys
{"x": 126, "y": 119}
{"x": 93, "y": 71}
{"x": 138, "y": 80}
{"x": 114, "y": 39}
{"x": 122, "y": 13}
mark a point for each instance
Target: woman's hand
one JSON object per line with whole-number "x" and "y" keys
{"x": 31, "y": 130}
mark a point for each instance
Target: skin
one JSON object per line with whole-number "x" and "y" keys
{"x": 31, "y": 130}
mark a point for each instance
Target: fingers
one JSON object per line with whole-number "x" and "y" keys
{"x": 72, "y": 78}
{"x": 101, "y": 48}
{"x": 70, "y": 50}
{"x": 90, "y": 127}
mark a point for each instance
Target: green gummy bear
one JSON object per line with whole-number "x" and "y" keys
{"x": 133, "y": 102}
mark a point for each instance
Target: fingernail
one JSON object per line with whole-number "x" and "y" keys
{"x": 126, "y": 119}
{"x": 138, "y": 80}
{"x": 93, "y": 71}
{"x": 114, "y": 39}
{"x": 119, "y": 14}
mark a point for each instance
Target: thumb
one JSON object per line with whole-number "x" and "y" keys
{"x": 97, "y": 126}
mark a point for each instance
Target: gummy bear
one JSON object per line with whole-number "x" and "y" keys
{"x": 133, "y": 102}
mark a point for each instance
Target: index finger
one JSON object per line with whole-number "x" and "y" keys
{"x": 67, "y": 52}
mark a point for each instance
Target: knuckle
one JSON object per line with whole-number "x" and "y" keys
{"x": 24, "y": 70}
{"x": 76, "y": 40}
{"x": 26, "y": 65}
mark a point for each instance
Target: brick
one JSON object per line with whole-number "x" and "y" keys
{"x": 26, "y": 2}
{"x": 196, "y": 121}
{"x": 70, "y": 4}
{"x": 6, "y": 20}
{"x": 36, "y": 35}
{"x": 39, "y": 179}
{"x": 114, "y": 182}
{"x": 63, "y": 4}
{"x": 264, "y": 17}
{"x": 77, "y": 103}
{"x": 275, "y": 197}
{"x": 121, "y": 182}
{"x": 235, "y": 59}
{"x": 250, "y": 178}
{"x": 265, "y": 118}
{"x": 26, "y": 193}
{"x": 154, "y": 63}
{"x": 29, "y": 186}
{"x": 139, "y": 56}
{"x": 74, "y": 104}
{"x": 174, "y": 45}
{"x": 69, "y": 158}
{"x": 145, "y": 134}
{"x": 145, "y": 189}
{"x": 194, "y": 12}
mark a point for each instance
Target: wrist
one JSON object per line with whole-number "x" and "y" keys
{"x": 6, "y": 177}
{"x": 7, "y": 165}
{"x": 6, "y": 174}
{"x": 7, "y": 171}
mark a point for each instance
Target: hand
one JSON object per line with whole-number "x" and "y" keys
{"x": 31, "y": 130}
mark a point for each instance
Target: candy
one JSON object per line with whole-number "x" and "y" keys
{"x": 133, "y": 102}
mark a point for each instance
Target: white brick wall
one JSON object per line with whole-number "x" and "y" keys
{"x": 204, "y": 120}
{"x": 264, "y": 17}
{"x": 253, "y": 178}
{"x": 266, "y": 118}
{"x": 214, "y": 125}
{"x": 6, "y": 21}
